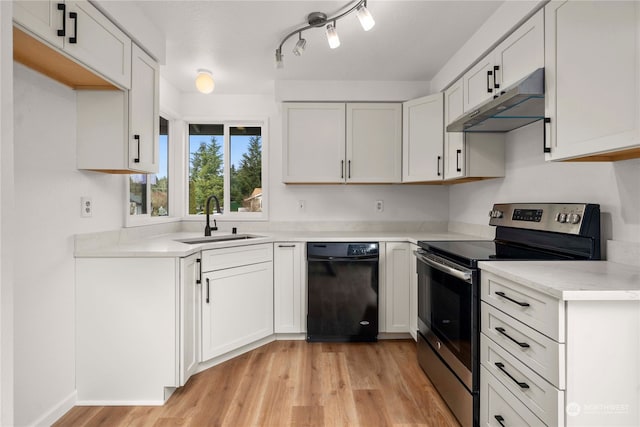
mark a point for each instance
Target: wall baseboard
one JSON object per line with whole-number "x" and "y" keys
{"x": 57, "y": 411}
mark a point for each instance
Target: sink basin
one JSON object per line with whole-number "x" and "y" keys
{"x": 214, "y": 239}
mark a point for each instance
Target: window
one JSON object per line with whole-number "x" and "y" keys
{"x": 149, "y": 194}
{"x": 225, "y": 160}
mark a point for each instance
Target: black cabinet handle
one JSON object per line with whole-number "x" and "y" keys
{"x": 547, "y": 135}
{"x": 503, "y": 295}
{"x": 74, "y": 16}
{"x": 349, "y": 172}
{"x": 342, "y": 169}
{"x": 63, "y": 32}
{"x": 496, "y": 68}
{"x": 503, "y": 332}
{"x": 286, "y": 246}
{"x": 499, "y": 419}
{"x": 458, "y": 152}
{"x": 207, "y": 297}
{"x": 438, "y": 165}
{"x": 489, "y": 74}
{"x": 520, "y": 384}
{"x": 199, "y": 276}
{"x": 137, "y": 138}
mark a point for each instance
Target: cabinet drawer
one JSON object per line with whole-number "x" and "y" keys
{"x": 531, "y": 389}
{"x": 535, "y": 309}
{"x": 497, "y": 403}
{"x": 540, "y": 353}
{"x": 219, "y": 259}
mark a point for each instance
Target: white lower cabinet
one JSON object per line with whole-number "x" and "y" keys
{"x": 190, "y": 284}
{"x": 397, "y": 283}
{"x": 413, "y": 293}
{"x": 289, "y": 286}
{"x": 237, "y": 300}
{"x": 126, "y": 330}
{"x": 555, "y": 362}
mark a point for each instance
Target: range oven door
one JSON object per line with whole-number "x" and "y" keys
{"x": 448, "y": 315}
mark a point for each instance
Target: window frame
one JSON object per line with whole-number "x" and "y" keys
{"x": 172, "y": 160}
{"x": 227, "y": 215}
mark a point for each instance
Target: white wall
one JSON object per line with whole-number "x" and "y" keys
{"x": 6, "y": 215}
{"x": 615, "y": 186}
{"x": 48, "y": 188}
{"x": 330, "y": 203}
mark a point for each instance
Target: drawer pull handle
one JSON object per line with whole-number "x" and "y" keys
{"x": 503, "y": 295}
{"x": 521, "y": 344}
{"x": 500, "y": 419}
{"x": 520, "y": 384}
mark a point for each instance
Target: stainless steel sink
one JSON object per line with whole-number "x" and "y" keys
{"x": 214, "y": 239}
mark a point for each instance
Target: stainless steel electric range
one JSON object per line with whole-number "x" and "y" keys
{"x": 449, "y": 281}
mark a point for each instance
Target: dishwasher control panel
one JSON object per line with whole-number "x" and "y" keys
{"x": 358, "y": 249}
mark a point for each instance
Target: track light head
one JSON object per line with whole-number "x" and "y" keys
{"x": 332, "y": 36}
{"x": 300, "y": 46}
{"x": 366, "y": 20}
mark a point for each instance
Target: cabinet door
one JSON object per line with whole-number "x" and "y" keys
{"x": 190, "y": 278}
{"x": 521, "y": 53}
{"x": 289, "y": 296}
{"x": 422, "y": 139}
{"x": 478, "y": 83}
{"x": 313, "y": 143}
{"x": 237, "y": 308}
{"x": 413, "y": 293}
{"x": 592, "y": 78}
{"x": 144, "y": 113}
{"x": 374, "y": 143}
{"x": 96, "y": 42}
{"x": 42, "y": 18}
{"x": 454, "y": 156}
{"x": 398, "y": 259}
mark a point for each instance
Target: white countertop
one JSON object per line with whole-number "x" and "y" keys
{"x": 166, "y": 245}
{"x": 572, "y": 280}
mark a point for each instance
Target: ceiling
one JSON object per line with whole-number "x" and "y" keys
{"x": 237, "y": 40}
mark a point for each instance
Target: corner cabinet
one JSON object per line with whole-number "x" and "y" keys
{"x": 334, "y": 143}
{"x": 237, "y": 297}
{"x": 586, "y": 44}
{"x": 289, "y": 288}
{"x": 118, "y": 130}
{"x": 422, "y": 140}
{"x": 82, "y": 32}
{"x": 469, "y": 156}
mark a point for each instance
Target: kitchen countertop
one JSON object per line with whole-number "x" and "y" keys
{"x": 166, "y": 245}
{"x": 572, "y": 280}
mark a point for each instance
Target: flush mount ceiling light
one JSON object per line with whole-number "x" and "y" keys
{"x": 204, "y": 81}
{"x": 318, "y": 20}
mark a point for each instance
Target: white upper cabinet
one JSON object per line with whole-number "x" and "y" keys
{"x": 517, "y": 56}
{"x": 117, "y": 131}
{"x": 81, "y": 31}
{"x": 453, "y": 141}
{"x": 592, "y": 80}
{"x": 374, "y": 143}
{"x": 144, "y": 112}
{"x": 334, "y": 143}
{"x": 422, "y": 139}
{"x": 313, "y": 142}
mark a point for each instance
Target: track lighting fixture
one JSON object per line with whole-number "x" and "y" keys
{"x": 204, "y": 81}
{"x": 318, "y": 20}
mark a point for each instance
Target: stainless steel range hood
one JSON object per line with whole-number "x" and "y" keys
{"x": 517, "y": 106}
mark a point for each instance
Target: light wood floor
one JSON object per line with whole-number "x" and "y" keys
{"x": 294, "y": 383}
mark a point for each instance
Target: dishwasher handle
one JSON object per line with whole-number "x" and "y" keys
{"x": 364, "y": 258}
{"x": 465, "y": 275}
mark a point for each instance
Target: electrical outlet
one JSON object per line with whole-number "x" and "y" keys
{"x": 379, "y": 205}
{"x": 301, "y": 205}
{"x": 86, "y": 206}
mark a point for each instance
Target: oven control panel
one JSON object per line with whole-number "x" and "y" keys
{"x": 571, "y": 218}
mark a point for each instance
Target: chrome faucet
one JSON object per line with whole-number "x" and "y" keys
{"x": 207, "y": 228}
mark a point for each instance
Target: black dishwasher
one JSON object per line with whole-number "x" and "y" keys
{"x": 342, "y": 291}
